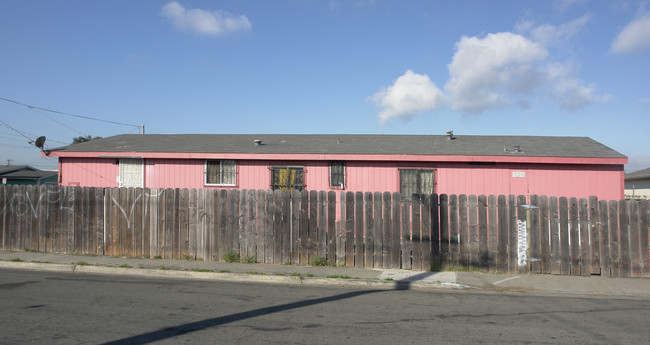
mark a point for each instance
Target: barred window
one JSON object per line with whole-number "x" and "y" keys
{"x": 287, "y": 178}
{"x": 337, "y": 174}
{"x": 415, "y": 181}
{"x": 220, "y": 172}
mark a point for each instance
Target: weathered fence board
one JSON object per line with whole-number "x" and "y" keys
{"x": 502, "y": 239}
{"x": 544, "y": 227}
{"x": 458, "y": 231}
{"x": 605, "y": 256}
{"x": 358, "y": 229}
{"x": 535, "y": 264}
{"x": 483, "y": 262}
{"x": 368, "y": 228}
{"x": 585, "y": 253}
{"x": 492, "y": 233}
{"x": 407, "y": 243}
{"x": 505, "y": 233}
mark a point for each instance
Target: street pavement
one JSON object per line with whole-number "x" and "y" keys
{"x": 324, "y": 275}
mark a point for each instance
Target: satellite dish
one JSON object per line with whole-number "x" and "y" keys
{"x": 40, "y": 141}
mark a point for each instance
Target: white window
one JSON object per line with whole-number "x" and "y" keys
{"x": 220, "y": 173}
{"x": 131, "y": 173}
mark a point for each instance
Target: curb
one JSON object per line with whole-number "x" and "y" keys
{"x": 230, "y": 277}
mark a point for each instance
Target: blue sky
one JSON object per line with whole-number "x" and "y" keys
{"x": 552, "y": 68}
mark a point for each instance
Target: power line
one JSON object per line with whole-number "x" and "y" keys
{"x": 59, "y": 122}
{"x": 17, "y": 131}
{"x": 23, "y": 134}
{"x": 68, "y": 114}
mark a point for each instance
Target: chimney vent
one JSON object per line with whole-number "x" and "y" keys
{"x": 450, "y": 135}
{"x": 257, "y": 142}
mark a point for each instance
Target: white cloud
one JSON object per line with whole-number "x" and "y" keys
{"x": 634, "y": 38}
{"x": 499, "y": 70}
{"x": 411, "y": 94}
{"x": 569, "y": 91}
{"x": 485, "y": 71}
{"x": 547, "y": 34}
{"x": 563, "y": 5}
{"x": 216, "y": 23}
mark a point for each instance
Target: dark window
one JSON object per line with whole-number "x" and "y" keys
{"x": 337, "y": 174}
{"x": 415, "y": 181}
{"x": 222, "y": 172}
{"x": 287, "y": 178}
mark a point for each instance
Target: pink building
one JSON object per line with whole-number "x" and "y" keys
{"x": 479, "y": 165}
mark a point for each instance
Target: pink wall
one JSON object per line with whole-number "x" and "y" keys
{"x": 88, "y": 172}
{"x": 573, "y": 180}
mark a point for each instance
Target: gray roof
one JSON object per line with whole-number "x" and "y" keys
{"x": 29, "y": 174}
{"x": 535, "y": 146}
{"x": 638, "y": 175}
{"x": 9, "y": 168}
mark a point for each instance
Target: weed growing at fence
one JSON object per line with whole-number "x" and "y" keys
{"x": 29, "y": 250}
{"x": 389, "y": 279}
{"x": 41, "y": 262}
{"x": 81, "y": 263}
{"x": 456, "y": 268}
{"x": 338, "y": 276}
{"x": 435, "y": 267}
{"x": 164, "y": 268}
{"x": 249, "y": 260}
{"x": 300, "y": 275}
{"x": 157, "y": 257}
{"x": 223, "y": 271}
{"x": 16, "y": 260}
{"x": 188, "y": 257}
{"x": 231, "y": 257}
{"x": 125, "y": 266}
{"x": 200, "y": 270}
{"x": 258, "y": 273}
{"x": 287, "y": 263}
{"x": 318, "y": 261}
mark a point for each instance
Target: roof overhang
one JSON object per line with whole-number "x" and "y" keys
{"x": 348, "y": 157}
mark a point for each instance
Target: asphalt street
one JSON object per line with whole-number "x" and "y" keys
{"x": 67, "y": 308}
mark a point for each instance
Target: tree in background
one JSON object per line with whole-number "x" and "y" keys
{"x": 82, "y": 139}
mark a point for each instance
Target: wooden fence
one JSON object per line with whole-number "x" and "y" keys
{"x": 514, "y": 234}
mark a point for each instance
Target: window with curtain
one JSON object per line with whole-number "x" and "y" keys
{"x": 220, "y": 172}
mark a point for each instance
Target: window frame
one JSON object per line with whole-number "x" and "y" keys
{"x": 221, "y": 177}
{"x": 343, "y": 174}
{"x": 274, "y": 168}
{"x": 418, "y": 181}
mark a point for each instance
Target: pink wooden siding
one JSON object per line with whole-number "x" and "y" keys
{"x": 574, "y": 180}
{"x": 88, "y": 172}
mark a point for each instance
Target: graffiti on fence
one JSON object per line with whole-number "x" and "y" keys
{"x": 522, "y": 243}
{"x": 20, "y": 204}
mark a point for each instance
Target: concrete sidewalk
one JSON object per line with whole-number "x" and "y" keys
{"x": 323, "y": 275}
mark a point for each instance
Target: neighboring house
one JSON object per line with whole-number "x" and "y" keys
{"x": 637, "y": 184}
{"x": 26, "y": 175}
{"x": 554, "y": 166}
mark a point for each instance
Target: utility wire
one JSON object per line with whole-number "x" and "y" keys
{"x": 24, "y": 134}
{"x": 17, "y": 131}
{"x": 68, "y": 114}
{"x": 59, "y": 122}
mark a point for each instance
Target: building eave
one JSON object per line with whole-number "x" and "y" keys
{"x": 347, "y": 157}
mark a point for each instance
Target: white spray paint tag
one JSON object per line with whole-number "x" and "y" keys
{"x": 522, "y": 243}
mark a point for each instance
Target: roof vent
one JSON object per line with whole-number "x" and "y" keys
{"x": 517, "y": 148}
{"x": 450, "y": 135}
{"x": 258, "y": 142}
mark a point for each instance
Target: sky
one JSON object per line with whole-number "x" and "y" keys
{"x": 544, "y": 68}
